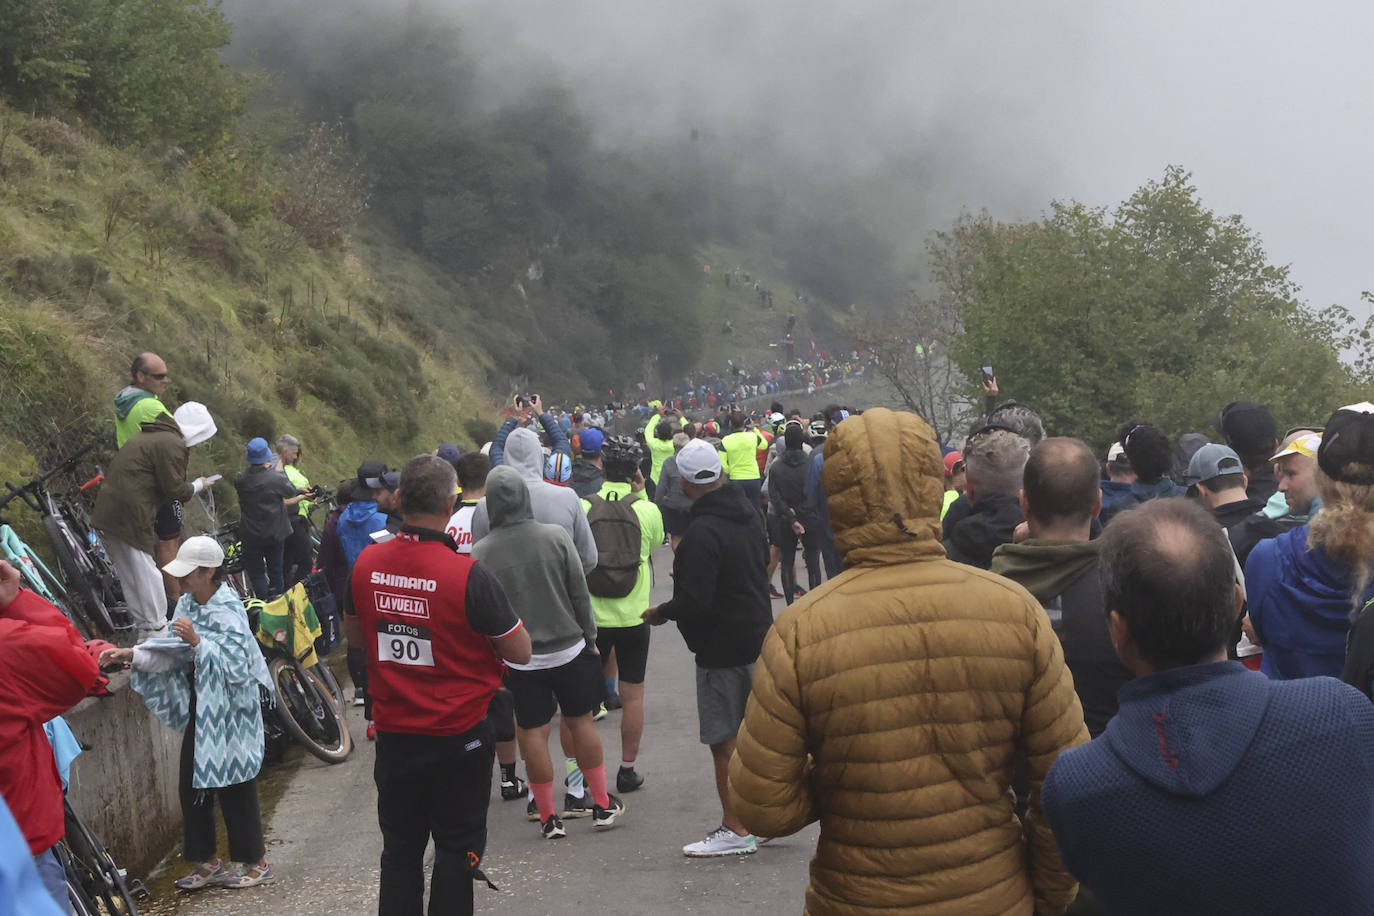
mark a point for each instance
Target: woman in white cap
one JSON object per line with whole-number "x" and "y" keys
{"x": 208, "y": 672}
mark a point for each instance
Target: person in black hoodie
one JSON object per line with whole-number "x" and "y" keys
{"x": 1218, "y": 478}
{"x": 994, "y": 459}
{"x": 721, "y": 605}
{"x": 1059, "y": 565}
{"x": 797, "y": 521}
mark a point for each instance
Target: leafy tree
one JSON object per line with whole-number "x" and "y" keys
{"x": 322, "y": 192}
{"x": 1159, "y": 310}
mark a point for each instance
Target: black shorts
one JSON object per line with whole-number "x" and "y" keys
{"x": 501, "y": 715}
{"x": 168, "y": 523}
{"x": 574, "y": 688}
{"x": 631, "y": 645}
{"x": 777, "y": 529}
{"x": 675, "y": 521}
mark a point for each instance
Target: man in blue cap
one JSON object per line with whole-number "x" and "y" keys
{"x": 588, "y": 475}
{"x": 264, "y": 522}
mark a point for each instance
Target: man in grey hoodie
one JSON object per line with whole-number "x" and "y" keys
{"x": 551, "y": 504}
{"x": 542, "y": 575}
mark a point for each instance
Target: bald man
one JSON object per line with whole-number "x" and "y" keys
{"x": 1058, "y": 565}
{"x": 137, "y": 403}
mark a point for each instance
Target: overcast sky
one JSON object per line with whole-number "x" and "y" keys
{"x": 1269, "y": 104}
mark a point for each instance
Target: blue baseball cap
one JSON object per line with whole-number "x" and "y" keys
{"x": 258, "y": 451}
{"x": 589, "y": 441}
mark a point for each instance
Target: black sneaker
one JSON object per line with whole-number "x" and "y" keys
{"x": 613, "y": 701}
{"x": 627, "y": 780}
{"x": 553, "y": 828}
{"x": 773, "y": 591}
{"x": 532, "y": 811}
{"x": 799, "y": 592}
{"x": 606, "y": 817}
{"x": 514, "y": 789}
{"x": 576, "y": 807}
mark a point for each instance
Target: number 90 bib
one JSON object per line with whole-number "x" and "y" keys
{"x": 404, "y": 644}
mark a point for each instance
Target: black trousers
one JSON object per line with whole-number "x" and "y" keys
{"x": 811, "y": 552}
{"x": 262, "y": 561}
{"x": 298, "y": 554}
{"x": 238, "y": 803}
{"x": 436, "y": 786}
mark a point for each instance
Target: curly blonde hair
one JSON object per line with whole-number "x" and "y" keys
{"x": 1344, "y": 528}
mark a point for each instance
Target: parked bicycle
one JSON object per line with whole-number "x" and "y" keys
{"x": 96, "y": 885}
{"x": 37, "y": 577}
{"x": 92, "y": 587}
{"x": 309, "y": 704}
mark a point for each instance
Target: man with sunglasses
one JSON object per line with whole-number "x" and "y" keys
{"x": 141, "y": 400}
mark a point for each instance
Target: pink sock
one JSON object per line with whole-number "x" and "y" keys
{"x": 543, "y": 799}
{"x": 596, "y": 781}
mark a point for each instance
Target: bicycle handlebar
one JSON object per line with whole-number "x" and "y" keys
{"x": 68, "y": 465}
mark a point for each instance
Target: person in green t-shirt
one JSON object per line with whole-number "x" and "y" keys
{"x": 299, "y": 556}
{"x": 620, "y": 627}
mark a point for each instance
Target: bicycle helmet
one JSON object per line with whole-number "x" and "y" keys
{"x": 558, "y": 467}
{"x": 621, "y": 449}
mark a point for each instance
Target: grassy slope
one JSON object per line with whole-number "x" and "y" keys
{"x": 245, "y": 327}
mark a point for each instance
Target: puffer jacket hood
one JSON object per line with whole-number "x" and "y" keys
{"x": 525, "y": 454}
{"x": 1168, "y": 731}
{"x": 885, "y": 482}
{"x": 508, "y": 499}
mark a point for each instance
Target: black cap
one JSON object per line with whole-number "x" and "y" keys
{"x": 1248, "y": 427}
{"x": 370, "y": 474}
{"x": 1347, "y": 450}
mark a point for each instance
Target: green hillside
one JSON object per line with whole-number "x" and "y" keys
{"x": 106, "y": 252}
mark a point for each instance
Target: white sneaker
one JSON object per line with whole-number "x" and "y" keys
{"x": 722, "y": 842}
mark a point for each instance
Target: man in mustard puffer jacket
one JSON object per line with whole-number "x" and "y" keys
{"x": 891, "y": 703}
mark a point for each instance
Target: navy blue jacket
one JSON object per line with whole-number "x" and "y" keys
{"x": 1217, "y": 790}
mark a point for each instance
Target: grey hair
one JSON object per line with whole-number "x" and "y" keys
{"x": 428, "y": 484}
{"x": 1020, "y": 419}
{"x": 679, "y": 440}
{"x": 995, "y": 461}
{"x": 286, "y": 440}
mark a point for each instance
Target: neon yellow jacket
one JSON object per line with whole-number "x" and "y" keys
{"x": 741, "y": 454}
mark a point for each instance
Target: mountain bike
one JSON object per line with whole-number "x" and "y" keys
{"x": 309, "y": 702}
{"x": 38, "y": 578}
{"x": 96, "y": 885}
{"x": 91, "y": 583}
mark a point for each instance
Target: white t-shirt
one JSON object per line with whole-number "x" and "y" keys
{"x": 551, "y": 659}
{"x": 460, "y": 527}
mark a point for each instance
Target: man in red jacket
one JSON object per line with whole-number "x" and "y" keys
{"x": 45, "y": 669}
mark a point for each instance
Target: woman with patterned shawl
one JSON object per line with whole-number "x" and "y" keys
{"x": 203, "y": 681}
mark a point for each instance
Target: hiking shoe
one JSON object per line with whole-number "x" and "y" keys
{"x": 627, "y": 780}
{"x": 800, "y": 592}
{"x": 552, "y": 828}
{"x": 606, "y": 817}
{"x": 372, "y": 731}
{"x": 613, "y": 702}
{"x": 205, "y": 875}
{"x": 576, "y": 807}
{"x": 773, "y": 591}
{"x": 250, "y": 876}
{"x": 600, "y": 713}
{"x": 532, "y": 811}
{"x": 721, "y": 842}
{"x": 514, "y": 789}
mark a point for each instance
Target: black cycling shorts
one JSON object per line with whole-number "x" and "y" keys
{"x": 574, "y": 688}
{"x": 168, "y": 524}
{"x": 501, "y": 715}
{"x": 777, "y": 529}
{"x": 631, "y": 645}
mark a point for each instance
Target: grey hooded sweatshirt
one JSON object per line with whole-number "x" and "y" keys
{"x": 553, "y": 505}
{"x": 537, "y": 566}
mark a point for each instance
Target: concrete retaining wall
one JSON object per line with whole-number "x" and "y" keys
{"x": 125, "y": 786}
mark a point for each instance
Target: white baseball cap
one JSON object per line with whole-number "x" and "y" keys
{"x": 196, "y": 424}
{"x": 194, "y": 553}
{"x": 699, "y": 462}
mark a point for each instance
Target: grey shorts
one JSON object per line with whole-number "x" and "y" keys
{"x": 721, "y": 695}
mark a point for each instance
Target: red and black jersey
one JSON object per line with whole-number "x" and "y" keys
{"x": 427, "y": 613}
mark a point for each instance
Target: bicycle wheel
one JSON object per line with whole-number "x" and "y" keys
{"x": 308, "y": 713}
{"x": 76, "y": 568}
{"x": 77, "y": 878}
{"x": 107, "y": 884}
{"x": 331, "y": 683}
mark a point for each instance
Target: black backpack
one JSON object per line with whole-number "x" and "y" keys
{"x": 615, "y": 530}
